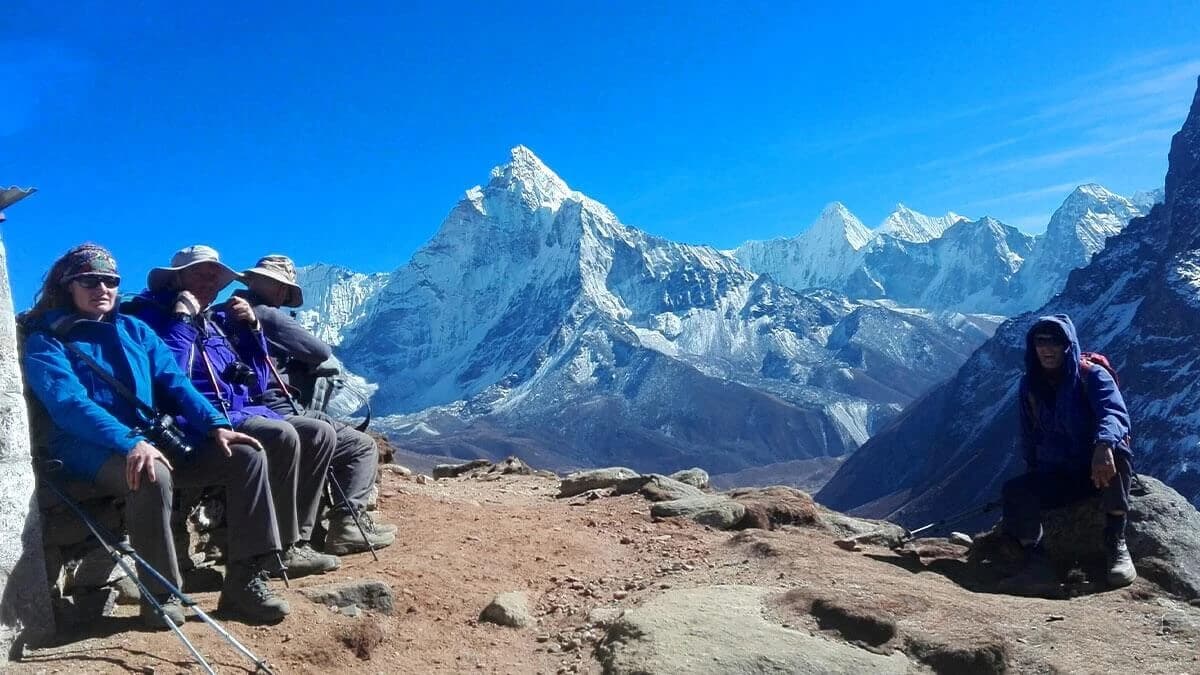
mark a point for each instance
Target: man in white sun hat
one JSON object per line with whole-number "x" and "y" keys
{"x": 272, "y": 284}
{"x": 221, "y": 348}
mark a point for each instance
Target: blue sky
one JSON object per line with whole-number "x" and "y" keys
{"x": 346, "y": 133}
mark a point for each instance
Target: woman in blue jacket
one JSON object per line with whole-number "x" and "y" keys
{"x": 98, "y": 433}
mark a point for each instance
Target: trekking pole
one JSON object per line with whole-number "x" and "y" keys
{"x": 115, "y": 554}
{"x": 909, "y": 535}
{"x": 116, "y": 551}
{"x": 353, "y": 514}
{"x": 329, "y": 474}
{"x": 851, "y": 543}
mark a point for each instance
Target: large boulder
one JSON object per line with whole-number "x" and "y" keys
{"x": 724, "y": 629}
{"x": 594, "y": 479}
{"x": 1163, "y": 536}
{"x": 771, "y": 507}
{"x": 696, "y": 477}
{"x": 716, "y": 511}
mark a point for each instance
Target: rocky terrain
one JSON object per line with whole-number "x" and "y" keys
{"x": 584, "y": 578}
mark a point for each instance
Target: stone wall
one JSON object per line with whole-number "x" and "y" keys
{"x": 25, "y": 613}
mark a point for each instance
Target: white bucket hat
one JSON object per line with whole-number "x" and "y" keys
{"x": 279, "y": 268}
{"x": 161, "y": 277}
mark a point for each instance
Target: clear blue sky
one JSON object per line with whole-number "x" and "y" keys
{"x": 344, "y": 132}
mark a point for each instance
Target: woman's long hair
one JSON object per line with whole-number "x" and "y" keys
{"x": 54, "y": 294}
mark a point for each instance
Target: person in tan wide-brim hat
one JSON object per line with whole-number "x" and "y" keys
{"x": 299, "y": 353}
{"x": 282, "y": 271}
{"x": 199, "y": 260}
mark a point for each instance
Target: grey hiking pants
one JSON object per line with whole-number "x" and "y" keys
{"x": 248, "y": 508}
{"x": 355, "y": 460}
{"x": 299, "y": 451}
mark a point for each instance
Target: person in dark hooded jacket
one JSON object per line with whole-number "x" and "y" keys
{"x": 1075, "y": 441}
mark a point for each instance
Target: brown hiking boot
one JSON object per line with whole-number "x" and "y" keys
{"x": 247, "y": 594}
{"x": 344, "y": 536}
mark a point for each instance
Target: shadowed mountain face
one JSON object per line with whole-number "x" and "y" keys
{"x": 1138, "y": 302}
{"x": 535, "y": 321}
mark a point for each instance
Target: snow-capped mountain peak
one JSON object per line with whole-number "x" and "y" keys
{"x": 824, "y": 253}
{"x": 836, "y": 222}
{"x": 1088, "y": 216}
{"x": 526, "y": 175}
{"x": 909, "y": 225}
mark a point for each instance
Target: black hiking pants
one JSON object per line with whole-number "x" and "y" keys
{"x": 1027, "y": 496}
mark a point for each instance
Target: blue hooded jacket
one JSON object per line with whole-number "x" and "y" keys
{"x": 92, "y": 422}
{"x": 1068, "y": 418}
{"x": 220, "y": 350}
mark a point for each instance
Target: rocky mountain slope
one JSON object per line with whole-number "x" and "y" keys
{"x": 1138, "y": 301}
{"x": 335, "y": 298}
{"x": 535, "y": 319}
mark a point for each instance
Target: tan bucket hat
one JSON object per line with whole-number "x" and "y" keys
{"x": 279, "y": 268}
{"x": 160, "y": 277}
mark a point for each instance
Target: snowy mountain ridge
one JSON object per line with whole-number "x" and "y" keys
{"x": 534, "y": 313}
{"x": 909, "y": 258}
{"x": 334, "y": 298}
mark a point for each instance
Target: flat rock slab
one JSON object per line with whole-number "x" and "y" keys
{"x": 368, "y": 594}
{"x": 595, "y": 479}
{"x": 722, "y": 629}
{"x": 861, "y": 530}
{"x": 657, "y": 488}
{"x": 713, "y": 510}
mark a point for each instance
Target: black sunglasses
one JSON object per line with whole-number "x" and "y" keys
{"x": 90, "y": 281}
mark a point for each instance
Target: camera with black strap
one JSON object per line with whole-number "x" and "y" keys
{"x": 159, "y": 429}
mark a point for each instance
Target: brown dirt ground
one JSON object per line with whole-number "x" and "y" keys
{"x": 465, "y": 540}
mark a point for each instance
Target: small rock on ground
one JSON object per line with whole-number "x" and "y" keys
{"x": 368, "y": 594}
{"x": 508, "y": 609}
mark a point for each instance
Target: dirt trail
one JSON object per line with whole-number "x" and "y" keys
{"x": 463, "y": 541}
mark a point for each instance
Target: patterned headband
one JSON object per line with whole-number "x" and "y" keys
{"x": 89, "y": 259}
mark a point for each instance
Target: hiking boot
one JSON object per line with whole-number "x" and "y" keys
{"x": 1036, "y": 578}
{"x": 247, "y": 593}
{"x": 370, "y": 525}
{"x": 1120, "y": 564}
{"x": 172, "y": 611}
{"x": 344, "y": 536}
{"x": 301, "y": 560}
